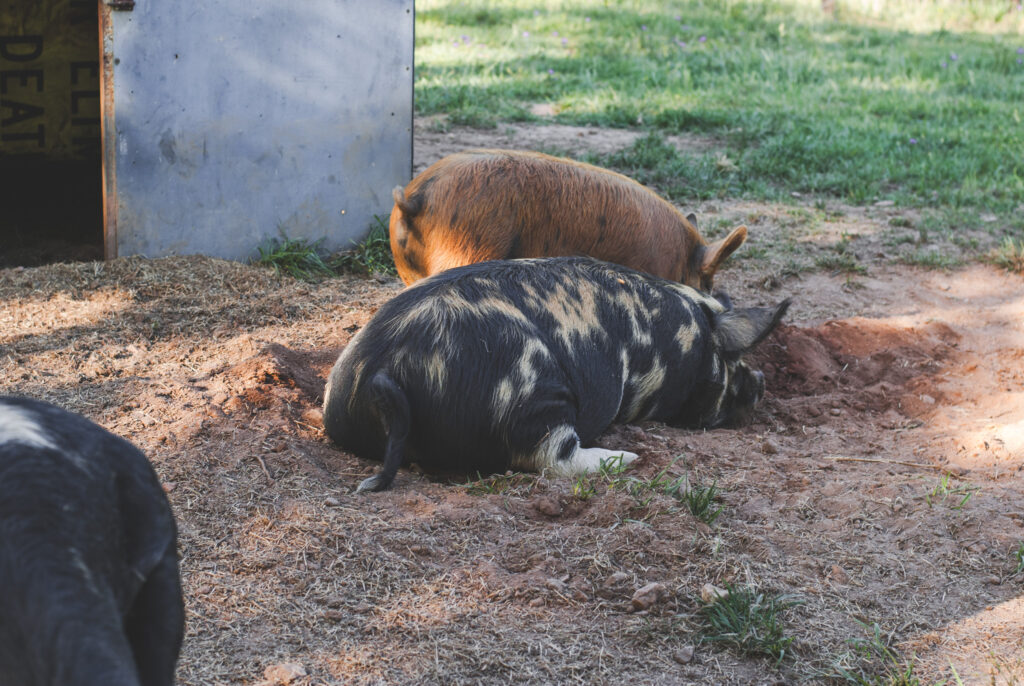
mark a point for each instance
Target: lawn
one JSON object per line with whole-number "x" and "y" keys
{"x": 919, "y": 103}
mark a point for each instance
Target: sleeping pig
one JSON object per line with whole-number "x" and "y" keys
{"x": 521, "y": 364}
{"x": 503, "y": 204}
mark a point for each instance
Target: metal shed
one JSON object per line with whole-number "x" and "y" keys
{"x": 216, "y": 125}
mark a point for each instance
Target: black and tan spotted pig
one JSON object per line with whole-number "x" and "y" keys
{"x": 521, "y": 364}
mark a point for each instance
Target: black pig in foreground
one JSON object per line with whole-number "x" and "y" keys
{"x": 519, "y": 364}
{"x": 89, "y": 586}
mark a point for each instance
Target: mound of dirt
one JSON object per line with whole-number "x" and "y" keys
{"x": 864, "y": 364}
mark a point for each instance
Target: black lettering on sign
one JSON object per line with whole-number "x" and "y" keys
{"x": 93, "y": 67}
{"x": 20, "y": 111}
{"x": 85, "y": 130}
{"x": 21, "y": 48}
{"x": 39, "y": 136}
{"x": 22, "y": 76}
{"x": 79, "y": 95}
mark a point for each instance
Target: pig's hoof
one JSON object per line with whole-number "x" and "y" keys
{"x": 374, "y": 483}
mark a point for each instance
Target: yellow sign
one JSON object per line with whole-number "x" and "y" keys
{"x": 49, "y": 79}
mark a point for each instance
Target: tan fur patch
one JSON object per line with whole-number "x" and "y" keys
{"x": 521, "y": 383}
{"x": 575, "y": 311}
{"x": 643, "y": 387}
{"x": 636, "y": 310}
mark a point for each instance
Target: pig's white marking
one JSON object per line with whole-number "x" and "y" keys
{"x": 585, "y": 460}
{"x": 580, "y": 460}
{"x": 19, "y": 426}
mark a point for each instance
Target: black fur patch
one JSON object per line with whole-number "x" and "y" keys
{"x": 87, "y": 552}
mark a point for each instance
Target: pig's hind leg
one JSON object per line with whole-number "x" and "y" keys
{"x": 562, "y": 455}
{"x": 545, "y": 440}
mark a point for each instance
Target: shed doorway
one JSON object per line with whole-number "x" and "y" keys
{"x": 51, "y": 195}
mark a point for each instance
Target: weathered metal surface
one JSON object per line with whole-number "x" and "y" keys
{"x": 235, "y": 121}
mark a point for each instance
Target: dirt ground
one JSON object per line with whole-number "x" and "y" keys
{"x": 878, "y": 483}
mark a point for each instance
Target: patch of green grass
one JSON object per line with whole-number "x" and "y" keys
{"x": 945, "y": 491}
{"x": 931, "y": 259}
{"x": 583, "y": 487}
{"x": 371, "y": 256}
{"x": 751, "y": 252}
{"x": 903, "y": 100}
{"x": 902, "y": 239}
{"x": 749, "y": 621}
{"x": 1009, "y": 255}
{"x": 842, "y": 263}
{"x": 882, "y": 665}
{"x": 699, "y": 499}
{"x": 305, "y": 260}
{"x": 1018, "y": 555}
{"x": 612, "y": 467}
{"x": 295, "y": 257}
{"x": 900, "y": 222}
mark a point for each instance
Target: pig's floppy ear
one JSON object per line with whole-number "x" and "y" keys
{"x": 715, "y": 253}
{"x": 737, "y": 331}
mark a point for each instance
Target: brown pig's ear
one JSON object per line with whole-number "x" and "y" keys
{"x": 692, "y": 218}
{"x": 715, "y": 253}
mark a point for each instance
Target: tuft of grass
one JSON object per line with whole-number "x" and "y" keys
{"x": 749, "y": 621}
{"x": 612, "y": 467}
{"x": 1018, "y": 555}
{"x": 295, "y": 257}
{"x": 880, "y": 663}
{"x": 931, "y": 259}
{"x": 843, "y": 263}
{"x": 1009, "y": 255}
{"x": 371, "y": 256}
{"x": 583, "y": 488}
{"x": 945, "y": 491}
{"x": 698, "y": 498}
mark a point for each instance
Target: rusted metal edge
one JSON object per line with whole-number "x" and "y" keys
{"x": 108, "y": 131}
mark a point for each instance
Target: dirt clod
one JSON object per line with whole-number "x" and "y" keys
{"x": 710, "y": 593}
{"x": 547, "y": 505}
{"x": 646, "y": 597}
{"x": 284, "y": 673}
{"x": 684, "y": 655}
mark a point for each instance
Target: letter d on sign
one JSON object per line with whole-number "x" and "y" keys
{"x": 34, "y": 45}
